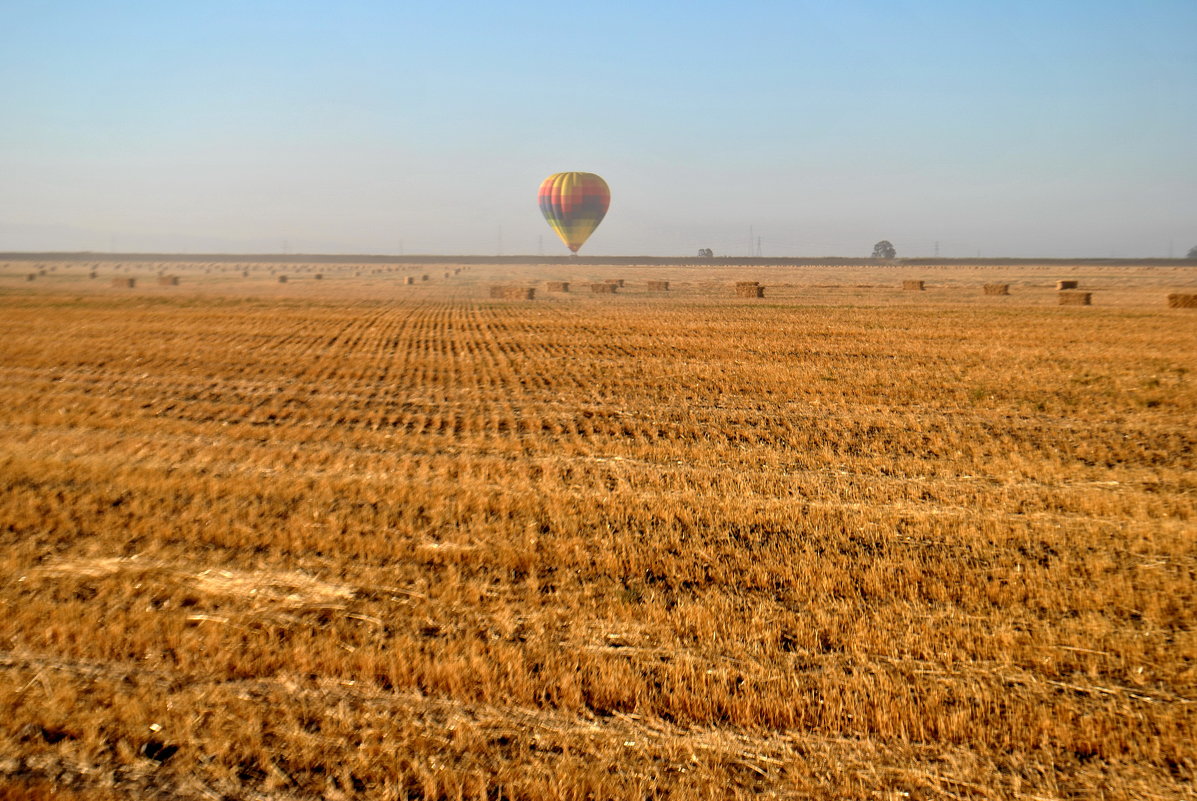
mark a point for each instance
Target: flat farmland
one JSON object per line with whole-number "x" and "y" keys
{"x": 351, "y": 537}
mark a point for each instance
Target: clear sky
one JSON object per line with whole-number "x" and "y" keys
{"x": 1020, "y": 128}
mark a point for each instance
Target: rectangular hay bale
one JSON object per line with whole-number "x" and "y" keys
{"x": 916, "y": 286}
{"x": 751, "y": 291}
{"x": 997, "y": 289}
{"x": 1072, "y": 298}
{"x": 658, "y": 286}
{"x": 604, "y": 288}
{"x": 1179, "y": 300}
{"x": 1064, "y": 284}
{"x": 557, "y": 286}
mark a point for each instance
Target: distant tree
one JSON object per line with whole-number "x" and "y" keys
{"x": 706, "y": 253}
{"x": 884, "y": 250}
{"x": 1192, "y": 252}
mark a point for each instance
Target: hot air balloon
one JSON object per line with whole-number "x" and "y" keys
{"x": 574, "y": 203}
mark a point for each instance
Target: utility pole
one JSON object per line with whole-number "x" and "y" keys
{"x": 937, "y": 248}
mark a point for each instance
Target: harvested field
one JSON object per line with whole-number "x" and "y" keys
{"x": 353, "y": 539}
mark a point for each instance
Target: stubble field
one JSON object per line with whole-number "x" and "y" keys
{"x": 350, "y": 538}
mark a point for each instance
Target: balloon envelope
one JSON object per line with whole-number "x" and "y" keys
{"x": 574, "y": 203}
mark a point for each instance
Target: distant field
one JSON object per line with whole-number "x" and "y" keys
{"x": 353, "y": 538}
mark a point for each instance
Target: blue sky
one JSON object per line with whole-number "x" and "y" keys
{"x": 1014, "y": 128}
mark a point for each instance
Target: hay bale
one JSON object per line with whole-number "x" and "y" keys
{"x": 409, "y": 280}
{"x": 747, "y": 283}
{"x": 92, "y": 274}
{"x": 125, "y": 283}
{"x": 617, "y": 281}
{"x": 557, "y": 286}
{"x": 1075, "y": 298}
{"x": 751, "y": 291}
{"x": 914, "y": 286}
{"x": 31, "y": 277}
{"x": 658, "y": 286}
{"x": 604, "y": 288}
{"x": 282, "y": 279}
{"x": 168, "y": 280}
{"x": 424, "y": 277}
{"x": 496, "y": 291}
{"x": 518, "y": 293}
{"x": 1181, "y": 301}
{"x": 319, "y": 276}
{"x": 997, "y": 289}
{"x": 1062, "y": 285}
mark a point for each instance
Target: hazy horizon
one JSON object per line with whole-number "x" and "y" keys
{"x": 1053, "y": 130}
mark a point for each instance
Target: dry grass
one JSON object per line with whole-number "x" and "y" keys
{"x": 327, "y": 545}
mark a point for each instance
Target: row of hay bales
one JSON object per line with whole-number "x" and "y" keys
{"x": 282, "y": 278}
{"x": 988, "y": 289}
{"x": 609, "y": 287}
